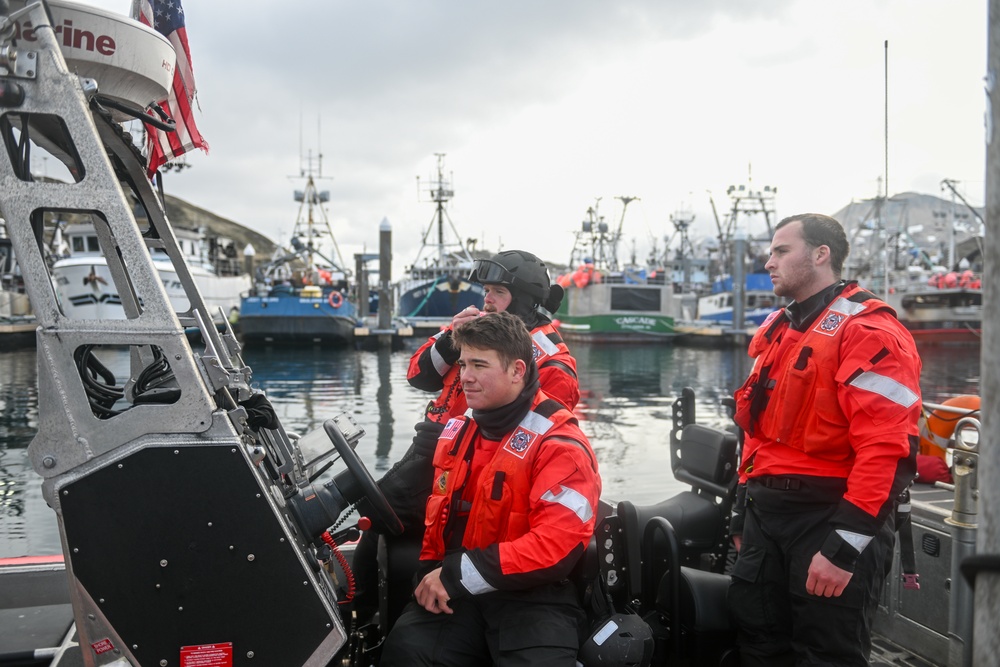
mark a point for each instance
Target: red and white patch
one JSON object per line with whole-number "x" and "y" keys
{"x": 520, "y": 442}
{"x": 829, "y": 324}
{"x": 451, "y": 429}
{"x": 102, "y": 646}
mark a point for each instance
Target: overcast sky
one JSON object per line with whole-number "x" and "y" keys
{"x": 542, "y": 106}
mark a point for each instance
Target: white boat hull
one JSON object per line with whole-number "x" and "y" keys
{"x": 85, "y": 289}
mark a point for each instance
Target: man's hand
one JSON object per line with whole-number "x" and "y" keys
{"x": 463, "y": 316}
{"x": 825, "y": 578}
{"x": 431, "y": 594}
{"x": 737, "y": 542}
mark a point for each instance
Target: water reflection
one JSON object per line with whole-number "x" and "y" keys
{"x": 625, "y": 410}
{"x": 309, "y": 386}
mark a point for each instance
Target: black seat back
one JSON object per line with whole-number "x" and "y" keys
{"x": 705, "y": 458}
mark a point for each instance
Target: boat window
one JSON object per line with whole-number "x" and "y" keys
{"x": 93, "y": 245}
{"x": 105, "y": 371}
{"x": 78, "y": 244}
{"x": 636, "y": 298}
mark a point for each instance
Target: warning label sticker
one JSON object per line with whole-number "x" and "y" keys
{"x": 102, "y": 646}
{"x": 207, "y": 655}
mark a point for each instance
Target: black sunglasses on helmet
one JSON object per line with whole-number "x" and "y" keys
{"x": 488, "y": 272}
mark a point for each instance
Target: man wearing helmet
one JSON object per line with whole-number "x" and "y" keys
{"x": 516, "y": 282}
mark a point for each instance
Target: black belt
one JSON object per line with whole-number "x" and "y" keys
{"x": 780, "y": 483}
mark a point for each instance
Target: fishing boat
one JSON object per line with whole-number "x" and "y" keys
{"x": 607, "y": 301}
{"x": 436, "y": 285}
{"x": 86, "y": 290}
{"x": 922, "y": 255}
{"x": 708, "y": 319}
{"x": 303, "y": 294}
{"x": 941, "y": 316}
{"x": 194, "y": 531}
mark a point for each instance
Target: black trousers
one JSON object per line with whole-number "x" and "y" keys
{"x": 540, "y": 627}
{"x": 778, "y": 623}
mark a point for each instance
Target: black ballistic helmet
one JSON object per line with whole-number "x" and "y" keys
{"x": 624, "y": 640}
{"x": 519, "y": 270}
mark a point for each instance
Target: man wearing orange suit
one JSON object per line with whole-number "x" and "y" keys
{"x": 829, "y": 414}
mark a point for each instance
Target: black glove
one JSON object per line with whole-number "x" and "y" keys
{"x": 260, "y": 412}
{"x": 449, "y": 353}
{"x": 425, "y": 441}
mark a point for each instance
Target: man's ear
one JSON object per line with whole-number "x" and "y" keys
{"x": 520, "y": 368}
{"x": 823, "y": 254}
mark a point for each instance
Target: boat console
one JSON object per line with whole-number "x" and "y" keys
{"x": 193, "y": 529}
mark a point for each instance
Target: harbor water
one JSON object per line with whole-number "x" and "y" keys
{"x": 625, "y": 409}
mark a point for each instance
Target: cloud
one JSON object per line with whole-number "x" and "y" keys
{"x": 542, "y": 107}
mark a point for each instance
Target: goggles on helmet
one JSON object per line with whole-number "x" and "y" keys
{"x": 488, "y": 272}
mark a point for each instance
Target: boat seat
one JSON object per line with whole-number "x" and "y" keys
{"x": 707, "y": 634}
{"x": 398, "y": 558}
{"x": 705, "y": 458}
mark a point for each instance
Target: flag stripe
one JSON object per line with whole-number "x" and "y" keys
{"x": 167, "y": 18}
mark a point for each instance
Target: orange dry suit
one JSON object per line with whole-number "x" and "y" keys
{"x": 840, "y": 399}
{"x": 528, "y": 514}
{"x": 433, "y": 367}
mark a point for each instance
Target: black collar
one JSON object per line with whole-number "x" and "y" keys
{"x": 802, "y": 315}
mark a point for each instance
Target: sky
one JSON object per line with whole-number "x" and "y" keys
{"x": 544, "y": 106}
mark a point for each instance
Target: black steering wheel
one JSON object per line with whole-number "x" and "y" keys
{"x": 361, "y": 483}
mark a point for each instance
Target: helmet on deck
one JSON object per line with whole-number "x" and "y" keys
{"x": 624, "y": 640}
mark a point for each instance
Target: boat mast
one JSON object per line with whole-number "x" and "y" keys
{"x": 307, "y": 224}
{"x": 441, "y": 193}
{"x": 745, "y": 201}
{"x": 618, "y": 232}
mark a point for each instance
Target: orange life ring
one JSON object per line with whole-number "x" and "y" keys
{"x": 937, "y": 428}
{"x": 336, "y": 299}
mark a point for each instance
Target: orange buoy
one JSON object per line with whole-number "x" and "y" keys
{"x": 937, "y": 428}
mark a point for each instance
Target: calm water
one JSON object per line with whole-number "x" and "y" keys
{"x": 625, "y": 410}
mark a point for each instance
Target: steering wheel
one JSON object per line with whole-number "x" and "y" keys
{"x": 363, "y": 483}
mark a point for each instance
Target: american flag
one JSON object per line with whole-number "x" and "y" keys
{"x": 167, "y": 18}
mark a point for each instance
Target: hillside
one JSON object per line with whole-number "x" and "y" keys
{"x": 185, "y": 215}
{"x": 921, "y": 221}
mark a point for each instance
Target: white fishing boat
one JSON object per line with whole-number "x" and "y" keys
{"x": 86, "y": 289}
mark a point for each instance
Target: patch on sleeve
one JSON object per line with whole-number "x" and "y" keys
{"x": 770, "y": 318}
{"x": 451, "y": 429}
{"x": 442, "y": 482}
{"x": 520, "y": 442}
{"x": 829, "y": 324}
